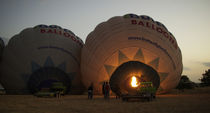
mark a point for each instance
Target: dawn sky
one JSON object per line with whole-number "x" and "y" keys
{"x": 188, "y": 20}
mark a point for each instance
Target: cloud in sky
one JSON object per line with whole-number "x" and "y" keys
{"x": 206, "y": 64}
{"x": 186, "y": 68}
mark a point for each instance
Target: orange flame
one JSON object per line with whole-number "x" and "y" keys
{"x": 134, "y": 82}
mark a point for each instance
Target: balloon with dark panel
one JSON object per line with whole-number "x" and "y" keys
{"x": 40, "y": 56}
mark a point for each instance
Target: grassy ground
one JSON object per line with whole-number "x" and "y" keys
{"x": 189, "y": 101}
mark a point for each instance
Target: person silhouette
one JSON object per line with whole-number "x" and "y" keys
{"x": 90, "y": 91}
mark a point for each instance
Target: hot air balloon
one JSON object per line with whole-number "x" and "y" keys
{"x": 40, "y": 56}
{"x": 131, "y": 46}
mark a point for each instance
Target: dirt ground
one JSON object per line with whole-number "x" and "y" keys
{"x": 189, "y": 101}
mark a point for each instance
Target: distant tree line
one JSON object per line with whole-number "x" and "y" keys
{"x": 186, "y": 83}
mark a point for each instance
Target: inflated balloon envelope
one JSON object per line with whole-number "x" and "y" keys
{"x": 131, "y": 45}
{"x": 39, "y": 56}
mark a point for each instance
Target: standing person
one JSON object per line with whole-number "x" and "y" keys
{"x": 56, "y": 94}
{"x": 90, "y": 91}
{"x": 103, "y": 89}
{"x": 107, "y": 90}
{"x": 59, "y": 94}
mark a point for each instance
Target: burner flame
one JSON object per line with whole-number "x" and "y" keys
{"x": 134, "y": 82}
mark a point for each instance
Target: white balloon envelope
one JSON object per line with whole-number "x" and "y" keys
{"x": 131, "y": 45}
{"x": 39, "y": 56}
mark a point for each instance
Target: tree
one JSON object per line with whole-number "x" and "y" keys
{"x": 184, "y": 78}
{"x": 205, "y": 80}
{"x": 185, "y": 83}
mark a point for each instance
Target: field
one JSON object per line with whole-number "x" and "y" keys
{"x": 189, "y": 101}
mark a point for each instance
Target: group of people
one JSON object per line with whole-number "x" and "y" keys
{"x": 105, "y": 90}
{"x": 58, "y": 94}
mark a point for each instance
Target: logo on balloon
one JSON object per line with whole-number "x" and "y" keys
{"x": 157, "y": 29}
{"x": 54, "y": 29}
